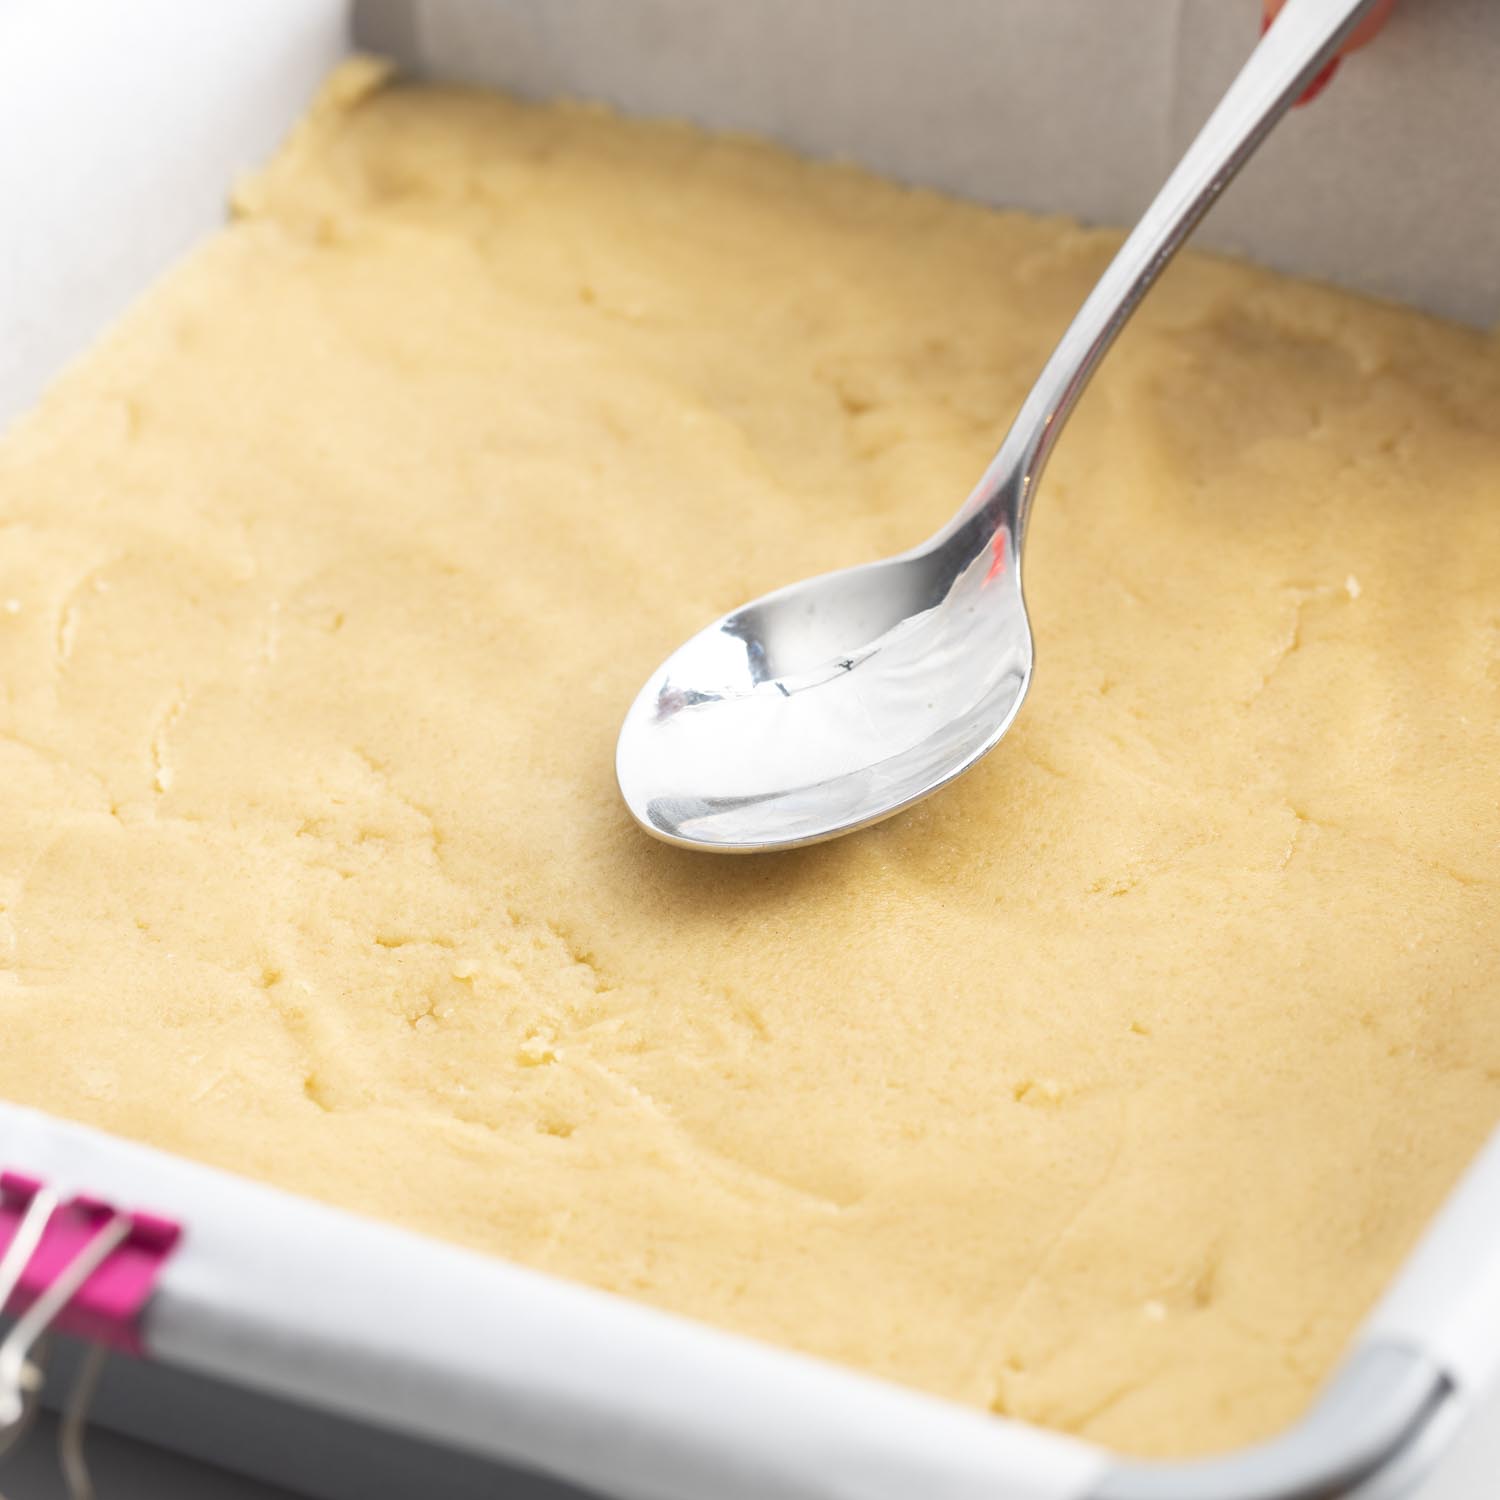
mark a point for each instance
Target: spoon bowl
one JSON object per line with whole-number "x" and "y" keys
{"x": 832, "y": 703}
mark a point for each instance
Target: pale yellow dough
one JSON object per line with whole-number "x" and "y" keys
{"x": 1105, "y": 1089}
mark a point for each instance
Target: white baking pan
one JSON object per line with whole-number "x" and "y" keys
{"x": 279, "y": 1323}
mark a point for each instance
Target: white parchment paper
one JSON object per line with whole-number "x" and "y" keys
{"x": 121, "y": 127}
{"x": 1390, "y": 183}
{"x": 290, "y": 1297}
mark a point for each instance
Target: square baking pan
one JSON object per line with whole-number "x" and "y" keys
{"x": 345, "y": 1357}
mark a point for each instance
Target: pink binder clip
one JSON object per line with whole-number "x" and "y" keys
{"x": 79, "y": 1265}
{"x": 114, "y": 1257}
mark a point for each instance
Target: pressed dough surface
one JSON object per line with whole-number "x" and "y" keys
{"x": 1106, "y": 1089}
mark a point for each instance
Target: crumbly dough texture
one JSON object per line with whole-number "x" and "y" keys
{"x": 1104, "y": 1090}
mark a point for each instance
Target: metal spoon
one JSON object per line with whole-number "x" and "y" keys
{"x": 835, "y": 702}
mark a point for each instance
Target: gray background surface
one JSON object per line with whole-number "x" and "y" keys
{"x": 125, "y": 1470}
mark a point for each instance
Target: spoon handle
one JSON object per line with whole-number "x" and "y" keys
{"x": 1303, "y": 38}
